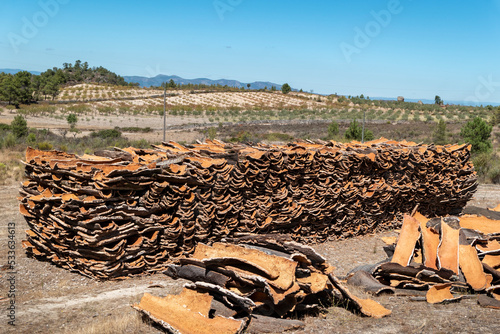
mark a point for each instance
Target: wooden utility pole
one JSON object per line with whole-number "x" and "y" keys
{"x": 363, "y": 131}
{"x": 164, "y": 108}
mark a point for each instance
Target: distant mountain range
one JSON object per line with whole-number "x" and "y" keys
{"x": 161, "y": 78}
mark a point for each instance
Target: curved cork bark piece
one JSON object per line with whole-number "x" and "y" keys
{"x": 492, "y": 260}
{"x": 440, "y": 293}
{"x": 366, "y": 281}
{"x": 430, "y": 242}
{"x": 421, "y": 218}
{"x": 471, "y": 266}
{"x": 367, "y": 307}
{"x": 494, "y": 291}
{"x": 186, "y": 313}
{"x": 488, "y": 302}
{"x": 389, "y": 240}
{"x": 493, "y": 246}
{"x": 280, "y": 271}
{"x": 448, "y": 248}
{"x": 262, "y": 324}
{"x": 406, "y": 242}
{"x": 371, "y": 308}
{"x": 481, "y": 224}
{"x": 316, "y": 282}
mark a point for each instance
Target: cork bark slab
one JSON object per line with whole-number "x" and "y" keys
{"x": 279, "y": 271}
{"x": 430, "y": 242}
{"x": 186, "y": 313}
{"x": 368, "y": 307}
{"x": 448, "y": 248}
{"x": 406, "y": 242}
{"x": 440, "y": 293}
{"x": 481, "y": 224}
{"x": 492, "y": 260}
{"x": 471, "y": 266}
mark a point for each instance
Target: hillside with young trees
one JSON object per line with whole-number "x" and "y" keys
{"x": 24, "y": 87}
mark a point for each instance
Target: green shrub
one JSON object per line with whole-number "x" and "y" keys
{"x": 108, "y": 133}
{"x": 477, "y": 133}
{"x": 19, "y": 126}
{"x": 72, "y": 120}
{"x": 4, "y": 126}
{"x": 31, "y": 139}
{"x": 481, "y": 162}
{"x": 141, "y": 143}
{"x": 354, "y": 132}
{"x": 241, "y": 137}
{"x": 135, "y": 129}
{"x": 211, "y": 133}
{"x": 487, "y": 166}
{"x": 44, "y": 146}
{"x": 341, "y": 99}
{"x": 277, "y": 136}
{"x": 440, "y": 135}
{"x": 333, "y": 130}
{"x": 494, "y": 174}
{"x": 10, "y": 140}
{"x": 285, "y": 89}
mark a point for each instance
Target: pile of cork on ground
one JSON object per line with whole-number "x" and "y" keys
{"x": 129, "y": 211}
{"x": 265, "y": 283}
{"x": 256, "y": 284}
{"x": 440, "y": 260}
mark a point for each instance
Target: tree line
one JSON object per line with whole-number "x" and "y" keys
{"x": 215, "y": 87}
{"x": 24, "y": 87}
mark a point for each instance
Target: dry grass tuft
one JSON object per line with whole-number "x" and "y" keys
{"x": 125, "y": 323}
{"x": 11, "y": 168}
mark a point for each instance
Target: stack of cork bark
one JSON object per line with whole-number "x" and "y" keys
{"x": 131, "y": 210}
{"x": 254, "y": 286}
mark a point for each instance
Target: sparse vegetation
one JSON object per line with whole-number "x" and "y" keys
{"x": 440, "y": 135}
{"x": 108, "y": 133}
{"x": 477, "y": 133}
{"x": 355, "y": 132}
{"x": 231, "y": 107}
{"x": 72, "y": 120}
{"x": 333, "y": 130}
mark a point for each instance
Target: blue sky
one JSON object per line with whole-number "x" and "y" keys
{"x": 417, "y": 49}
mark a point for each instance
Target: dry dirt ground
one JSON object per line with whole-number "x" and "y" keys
{"x": 53, "y": 300}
